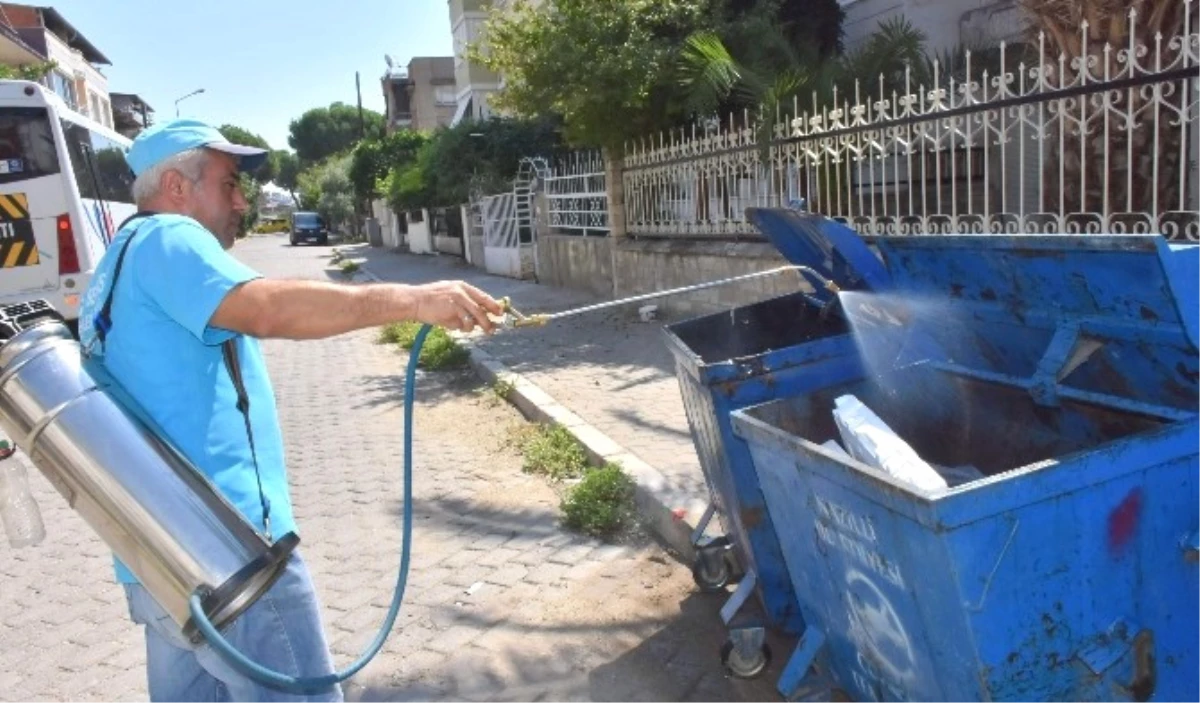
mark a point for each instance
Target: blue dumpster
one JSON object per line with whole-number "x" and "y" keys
{"x": 777, "y": 348}
{"x": 1066, "y": 373}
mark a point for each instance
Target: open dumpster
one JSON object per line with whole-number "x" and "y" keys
{"x": 777, "y": 348}
{"x": 1064, "y": 370}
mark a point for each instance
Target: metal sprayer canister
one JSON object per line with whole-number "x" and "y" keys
{"x": 148, "y": 503}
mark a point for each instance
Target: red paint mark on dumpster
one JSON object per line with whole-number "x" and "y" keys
{"x": 1122, "y": 522}
{"x": 751, "y": 517}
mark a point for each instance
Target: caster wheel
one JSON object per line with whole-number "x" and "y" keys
{"x": 711, "y": 571}
{"x": 741, "y": 666}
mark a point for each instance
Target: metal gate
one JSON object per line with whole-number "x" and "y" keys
{"x": 509, "y": 244}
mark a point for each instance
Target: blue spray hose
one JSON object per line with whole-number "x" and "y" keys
{"x": 317, "y": 684}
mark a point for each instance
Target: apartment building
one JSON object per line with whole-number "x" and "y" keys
{"x": 77, "y": 78}
{"x": 421, "y": 96}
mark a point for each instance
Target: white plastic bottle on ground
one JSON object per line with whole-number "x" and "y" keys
{"x": 18, "y": 509}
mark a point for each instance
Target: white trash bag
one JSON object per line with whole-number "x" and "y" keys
{"x": 870, "y": 441}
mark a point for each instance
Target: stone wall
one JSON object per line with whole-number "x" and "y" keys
{"x": 647, "y": 266}
{"x": 587, "y": 263}
{"x": 572, "y": 261}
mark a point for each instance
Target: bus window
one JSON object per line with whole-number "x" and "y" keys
{"x": 98, "y": 162}
{"x": 26, "y": 144}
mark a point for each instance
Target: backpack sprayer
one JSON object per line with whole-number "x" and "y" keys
{"x": 191, "y": 549}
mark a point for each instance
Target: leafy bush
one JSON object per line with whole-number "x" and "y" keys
{"x": 602, "y": 504}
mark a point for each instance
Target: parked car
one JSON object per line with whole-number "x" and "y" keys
{"x": 308, "y": 227}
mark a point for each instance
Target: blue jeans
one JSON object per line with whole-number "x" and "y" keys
{"x": 281, "y": 631}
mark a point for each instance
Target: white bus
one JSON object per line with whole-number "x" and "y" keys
{"x": 64, "y": 189}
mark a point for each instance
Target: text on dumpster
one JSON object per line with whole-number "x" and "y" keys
{"x": 854, "y": 535}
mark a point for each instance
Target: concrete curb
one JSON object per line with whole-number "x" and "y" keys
{"x": 671, "y": 514}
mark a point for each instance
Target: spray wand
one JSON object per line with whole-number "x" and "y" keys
{"x": 513, "y": 318}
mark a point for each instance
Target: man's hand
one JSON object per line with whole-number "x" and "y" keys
{"x": 455, "y": 305}
{"x": 290, "y": 309}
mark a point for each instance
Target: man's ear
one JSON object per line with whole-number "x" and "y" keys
{"x": 172, "y": 185}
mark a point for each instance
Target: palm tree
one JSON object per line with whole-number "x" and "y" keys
{"x": 1080, "y": 30}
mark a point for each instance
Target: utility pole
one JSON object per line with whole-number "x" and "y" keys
{"x": 359, "y": 206}
{"x": 358, "y": 89}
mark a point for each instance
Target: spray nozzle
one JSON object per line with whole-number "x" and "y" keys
{"x": 512, "y": 317}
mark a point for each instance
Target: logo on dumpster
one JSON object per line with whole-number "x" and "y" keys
{"x": 877, "y": 630}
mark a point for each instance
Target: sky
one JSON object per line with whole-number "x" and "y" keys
{"x": 261, "y": 63}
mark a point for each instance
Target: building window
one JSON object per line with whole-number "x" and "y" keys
{"x": 444, "y": 95}
{"x": 64, "y": 87}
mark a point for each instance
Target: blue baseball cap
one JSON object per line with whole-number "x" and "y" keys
{"x": 167, "y": 139}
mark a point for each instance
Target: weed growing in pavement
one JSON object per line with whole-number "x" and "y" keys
{"x": 500, "y": 391}
{"x": 402, "y": 333}
{"x": 349, "y": 267}
{"x": 554, "y": 452}
{"x": 503, "y": 389}
{"x": 439, "y": 353}
{"x": 601, "y": 505}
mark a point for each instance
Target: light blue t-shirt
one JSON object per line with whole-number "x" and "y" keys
{"x": 167, "y": 357}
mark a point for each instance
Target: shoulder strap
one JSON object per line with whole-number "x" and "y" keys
{"x": 102, "y": 322}
{"x": 229, "y": 351}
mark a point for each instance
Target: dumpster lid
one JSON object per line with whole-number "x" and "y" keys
{"x": 830, "y": 248}
{"x": 1111, "y": 318}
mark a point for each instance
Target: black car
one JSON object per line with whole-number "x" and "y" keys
{"x": 308, "y": 227}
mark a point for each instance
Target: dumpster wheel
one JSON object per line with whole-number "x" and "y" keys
{"x": 745, "y": 665}
{"x": 711, "y": 570}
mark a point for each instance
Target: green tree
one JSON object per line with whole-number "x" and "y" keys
{"x": 373, "y": 159}
{"x": 324, "y": 131}
{"x": 287, "y": 172}
{"x": 604, "y": 67}
{"x": 407, "y": 187}
{"x": 251, "y": 189}
{"x": 478, "y": 155}
{"x": 239, "y": 135}
{"x": 752, "y": 28}
{"x": 326, "y": 188}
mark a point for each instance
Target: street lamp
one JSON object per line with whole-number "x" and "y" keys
{"x": 194, "y": 92}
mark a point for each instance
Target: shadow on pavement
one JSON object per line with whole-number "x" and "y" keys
{"x": 386, "y": 391}
{"x": 643, "y": 660}
{"x": 465, "y": 516}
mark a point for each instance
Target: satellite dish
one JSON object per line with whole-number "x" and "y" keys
{"x": 388, "y": 59}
